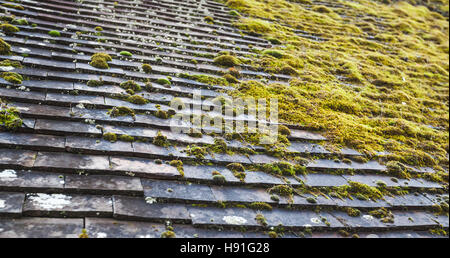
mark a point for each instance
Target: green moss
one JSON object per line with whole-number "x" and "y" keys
{"x": 226, "y": 60}
{"x": 18, "y": 7}
{"x": 8, "y": 62}
{"x": 9, "y": 28}
{"x": 125, "y": 53}
{"x": 160, "y": 139}
{"x": 5, "y": 48}
{"x": 209, "y": 19}
{"x": 10, "y": 117}
{"x": 168, "y": 234}
{"x": 198, "y": 152}
{"x": 311, "y": 200}
{"x": 95, "y": 83}
{"x": 236, "y": 167}
{"x": 112, "y": 137}
{"x": 230, "y": 78}
{"x": 353, "y": 212}
{"x": 98, "y": 28}
{"x": 261, "y": 220}
{"x": 385, "y": 215}
{"x": 147, "y": 68}
{"x": 163, "y": 81}
{"x": 220, "y": 179}
{"x": 284, "y": 130}
{"x": 234, "y": 13}
{"x": 272, "y": 234}
{"x": 54, "y": 33}
{"x": 121, "y": 111}
{"x": 273, "y": 52}
{"x": 12, "y": 77}
{"x": 132, "y": 85}
{"x": 20, "y": 21}
{"x": 100, "y": 60}
{"x": 178, "y": 164}
{"x": 282, "y": 190}
{"x": 126, "y": 138}
{"x": 137, "y": 99}
{"x": 260, "y": 206}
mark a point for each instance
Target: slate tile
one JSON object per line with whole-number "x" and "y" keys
{"x": 111, "y": 228}
{"x": 66, "y": 127}
{"x": 365, "y": 221}
{"x": 372, "y": 180}
{"x": 31, "y": 141}
{"x": 40, "y": 228}
{"x": 323, "y": 164}
{"x": 409, "y": 201}
{"x": 65, "y": 161}
{"x": 300, "y": 219}
{"x": 178, "y": 191}
{"x": 229, "y": 217}
{"x": 106, "y": 185}
{"x": 16, "y": 158}
{"x": 62, "y": 205}
{"x": 143, "y": 167}
{"x": 323, "y": 180}
{"x": 35, "y": 110}
{"x": 95, "y": 145}
{"x": 30, "y": 181}
{"x": 11, "y": 204}
{"x": 412, "y": 219}
{"x": 240, "y": 194}
{"x": 204, "y": 173}
{"x": 133, "y": 208}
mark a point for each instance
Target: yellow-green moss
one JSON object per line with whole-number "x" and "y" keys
{"x": 100, "y": 60}
{"x": 12, "y": 77}
{"x": 226, "y": 60}
{"x": 112, "y": 137}
{"x": 5, "y": 48}
{"x": 10, "y": 118}
{"x": 9, "y": 28}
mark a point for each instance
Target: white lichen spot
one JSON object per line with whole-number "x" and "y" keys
{"x": 101, "y": 235}
{"x": 234, "y": 220}
{"x": 368, "y": 217}
{"x": 8, "y": 175}
{"x": 6, "y": 68}
{"x": 150, "y": 200}
{"x": 51, "y": 201}
{"x": 315, "y": 220}
{"x": 372, "y": 236}
{"x": 2, "y": 204}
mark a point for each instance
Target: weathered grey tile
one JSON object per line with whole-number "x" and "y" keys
{"x": 323, "y": 180}
{"x": 111, "y": 228}
{"x": 230, "y": 217}
{"x": 60, "y": 161}
{"x": 144, "y": 167}
{"x": 107, "y": 185}
{"x": 300, "y": 219}
{"x": 37, "y": 141}
{"x": 40, "y": 228}
{"x": 361, "y": 222}
{"x": 204, "y": 173}
{"x": 16, "y": 158}
{"x": 144, "y": 209}
{"x": 240, "y": 194}
{"x": 62, "y": 205}
{"x": 66, "y": 127}
{"x": 177, "y": 191}
{"x": 95, "y": 145}
{"x": 30, "y": 181}
{"x": 11, "y": 204}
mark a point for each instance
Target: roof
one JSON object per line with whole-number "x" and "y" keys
{"x": 70, "y": 167}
